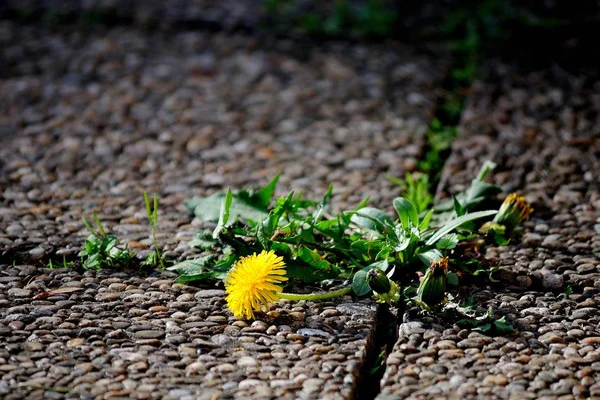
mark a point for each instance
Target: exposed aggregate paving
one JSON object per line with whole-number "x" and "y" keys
{"x": 89, "y": 121}
{"x": 541, "y": 127}
{"x": 114, "y": 335}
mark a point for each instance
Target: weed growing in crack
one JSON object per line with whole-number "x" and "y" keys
{"x": 370, "y": 19}
{"x": 443, "y": 243}
{"x": 416, "y": 188}
{"x": 102, "y": 250}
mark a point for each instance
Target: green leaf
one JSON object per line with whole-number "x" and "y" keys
{"x": 265, "y": 194}
{"x": 455, "y": 223}
{"x": 502, "y": 327}
{"x": 306, "y": 274}
{"x": 485, "y": 328}
{"x": 262, "y": 237}
{"x": 203, "y": 240}
{"x": 281, "y": 249}
{"x": 383, "y": 265}
{"x": 312, "y": 258}
{"x": 487, "y": 167}
{"x": 363, "y": 203}
{"x": 99, "y": 224}
{"x": 497, "y": 238}
{"x": 447, "y": 242}
{"x": 208, "y": 209}
{"x": 368, "y": 248}
{"x": 406, "y": 211}
{"x": 360, "y": 283}
{"x": 282, "y": 205}
{"x": 224, "y": 213}
{"x": 426, "y": 220}
{"x": 155, "y": 209}
{"x": 321, "y": 207}
{"x": 372, "y": 219}
{"x": 452, "y": 279}
{"x": 198, "y": 277}
{"x": 430, "y": 256}
{"x": 404, "y": 241}
{"x": 148, "y": 208}
{"x": 195, "y": 266}
{"x": 458, "y": 208}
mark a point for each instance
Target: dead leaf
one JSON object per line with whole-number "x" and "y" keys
{"x": 61, "y": 290}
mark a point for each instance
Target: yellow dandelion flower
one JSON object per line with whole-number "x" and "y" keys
{"x": 253, "y": 282}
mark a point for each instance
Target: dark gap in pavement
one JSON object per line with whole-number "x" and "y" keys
{"x": 385, "y": 334}
{"x": 379, "y": 345}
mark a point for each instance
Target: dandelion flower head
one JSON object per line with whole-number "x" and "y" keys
{"x": 514, "y": 210}
{"x": 253, "y": 282}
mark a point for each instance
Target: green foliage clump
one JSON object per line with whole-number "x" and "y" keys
{"x": 102, "y": 250}
{"x": 322, "y": 248}
{"x": 371, "y": 19}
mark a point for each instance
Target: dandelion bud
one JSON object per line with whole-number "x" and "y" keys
{"x": 378, "y": 281}
{"x": 432, "y": 289}
{"x": 513, "y": 211}
{"x": 384, "y": 289}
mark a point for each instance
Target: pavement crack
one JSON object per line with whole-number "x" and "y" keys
{"x": 379, "y": 345}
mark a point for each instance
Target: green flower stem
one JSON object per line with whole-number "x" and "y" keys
{"x": 315, "y": 296}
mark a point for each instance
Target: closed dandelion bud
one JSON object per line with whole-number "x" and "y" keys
{"x": 384, "y": 289}
{"x": 378, "y": 282}
{"x": 514, "y": 210}
{"x": 432, "y": 289}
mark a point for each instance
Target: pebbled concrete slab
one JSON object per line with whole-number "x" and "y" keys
{"x": 110, "y": 334}
{"x": 91, "y": 120}
{"x": 541, "y": 128}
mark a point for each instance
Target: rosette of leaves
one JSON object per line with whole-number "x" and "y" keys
{"x": 322, "y": 248}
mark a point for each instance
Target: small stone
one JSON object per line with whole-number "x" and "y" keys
{"x": 33, "y": 346}
{"x": 498, "y": 380}
{"x": 209, "y": 293}
{"x": 19, "y": 293}
{"x": 524, "y": 281}
{"x": 149, "y": 334}
{"x": 553, "y": 241}
{"x": 551, "y": 337}
{"x": 575, "y": 333}
{"x": 179, "y": 393}
{"x": 312, "y": 385}
{"x": 297, "y": 316}
{"x": 16, "y": 325}
{"x": 247, "y": 361}
{"x": 117, "y": 287}
{"x": 76, "y": 342}
{"x": 84, "y": 367}
{"x": 139, "y": 366}
{"x": 472, "y": 343}
{"x": 37, "y": 253}
{"x": 552, "y": 281}
{"x": 223, "y": 368}
{"x": 250, "y": 383}
{"x": 583, "y": 313}
{"x": 536, "y": 311}
{"x": 426, "y": 361}
{"x": 594, "y": 340}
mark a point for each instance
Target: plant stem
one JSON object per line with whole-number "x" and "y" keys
{"x": 315, "y": 296}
